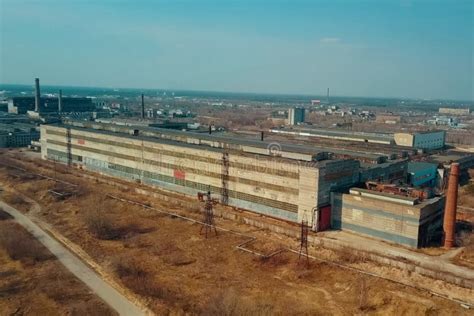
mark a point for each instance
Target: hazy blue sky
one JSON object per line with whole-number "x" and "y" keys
{"x": 399, "y": 48}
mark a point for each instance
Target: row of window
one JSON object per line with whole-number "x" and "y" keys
{"x": 170, "y": 166}
{"x": 61, "y": 156}
{"x": 248, "y": 167}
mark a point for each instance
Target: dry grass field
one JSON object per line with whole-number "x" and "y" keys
{"x": 176, "y": 270}
{"x": 34, "y": 282}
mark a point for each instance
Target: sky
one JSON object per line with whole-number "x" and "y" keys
{"x": 382, "y": 48}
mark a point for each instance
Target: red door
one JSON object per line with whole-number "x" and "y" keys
{"x": 324, "y": 218}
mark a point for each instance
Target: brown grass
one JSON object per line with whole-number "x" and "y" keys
{"x": 230, "y": 303}
{"x": 348, "y": 255}
{"x": 136, "y": 276}
{"x": 19, "y": 245}
{"x": 150, "y": 264}
{"x": 15, "y": 200}
{"x": 100, "y": 224}
{"x": 42, "y": 288}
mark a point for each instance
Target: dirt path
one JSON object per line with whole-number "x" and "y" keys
{"x": 106, "y": 292}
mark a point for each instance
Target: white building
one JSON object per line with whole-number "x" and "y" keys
{"x": 422, "y": 140}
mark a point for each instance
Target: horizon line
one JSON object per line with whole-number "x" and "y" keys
{"x": 323, "y": 97}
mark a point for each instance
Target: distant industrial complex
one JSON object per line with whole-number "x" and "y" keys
{"x": 381, "y": 185}
{"x": 291, "y": 182}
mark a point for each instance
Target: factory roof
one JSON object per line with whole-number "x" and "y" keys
{"x": 192, "y": 146}
{"x": 347, "y": 134}
{"x": 426, "y": 132}
{"x": 451, "y": 156}
{"x": 282, "y": 147}
{"x": 416, "y": 166}
{"x": 17, "y": 126}
{"x": 394, "y": 198}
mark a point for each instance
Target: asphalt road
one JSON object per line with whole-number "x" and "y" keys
{"x": 101, "y": 288}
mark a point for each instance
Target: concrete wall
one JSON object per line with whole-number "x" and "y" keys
{"x": 388, "y": 172}
{"x": 422, "y": 173}
{"x": 387, "y": 220}
{"x": 263, "y": 184}
{"x": 404, "y": 139}
{"x": 423, "y": 140}
{"x": 432, "y": 140}
{"x": 454, "y": 111}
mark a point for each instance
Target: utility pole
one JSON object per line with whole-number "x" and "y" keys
{"x": 304, "y": 241}
{"x": 208, "y": 216}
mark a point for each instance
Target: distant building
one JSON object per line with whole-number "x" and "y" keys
{"x": 278, "y": 120}
{"x": 393, "y": 218}
{"x": 388, "y": 119}
{"x": 295, "y": 116}
{"x": 454, "y": 111}
{"x": 315, "y": 102}
{"x": 421, "y": 140}
{"x": 421, "y": 173}
{"x": 21, "y": 105}
{"x": 17, "y": 134}
{"x": 3, "y": 106}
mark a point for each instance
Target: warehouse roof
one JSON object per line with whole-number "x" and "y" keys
{"x": 336, "y": 133}
{"x": 190, "y": 145}
{"x": 284, "y": 147}
{"x": 394, "y": 198}
{"x": 417, "y": 166}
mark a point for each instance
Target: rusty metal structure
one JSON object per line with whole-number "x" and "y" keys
{"x": 208, "y": 216}
{"x": 69, "y": 147}
{"x": 449, "y": 223}
{"x": 304, "y": 241}
{"x": 225, "y": 179}
{"x": 399, "y": 190}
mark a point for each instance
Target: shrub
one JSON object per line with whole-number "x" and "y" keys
{"x": 4, "y": 215}
{"x": 100, "y": 225}
{"x": 20, "y": 245}
{"x": 136, "y": 277}
{"x": 229, "y": 303}
{"x": 349, "y": 255}
{"x": 129, "y": 267}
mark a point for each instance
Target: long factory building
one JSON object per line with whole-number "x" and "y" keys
{"x": 294, "y": 183}
{"x": 275, "y": 186}
{"x": 290, "y": 184}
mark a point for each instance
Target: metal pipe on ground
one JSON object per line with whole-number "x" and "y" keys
{"x": 449, "y": 223}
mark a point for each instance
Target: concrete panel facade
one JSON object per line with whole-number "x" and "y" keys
{"x": 387, "y": 219}
{"x": 284, "y": 188}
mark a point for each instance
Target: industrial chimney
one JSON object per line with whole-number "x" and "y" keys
{"x": 449, "y": 224}
{"x": 143, "y": 107}
{"x": 37, "y": 95}
{"x": 60, "y": 101}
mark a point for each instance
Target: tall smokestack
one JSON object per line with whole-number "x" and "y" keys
{"x": 143, "y": 107}
{"x": 60, "y": 101}
{"x": 449, "y": 223}
{"x": 327, "y": 98}
{"x": 37, "y": 95}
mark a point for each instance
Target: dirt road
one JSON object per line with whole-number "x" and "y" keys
{"x": 106, "y": 292}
